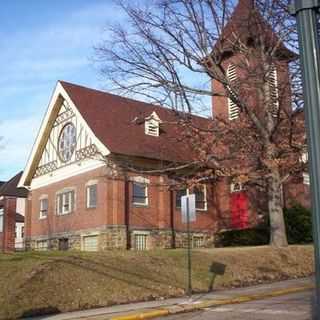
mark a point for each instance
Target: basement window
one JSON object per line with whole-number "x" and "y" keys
{"x": 197, "y": 241}
{"x": 140, "y": 240}
{"x": 42, "y": 245}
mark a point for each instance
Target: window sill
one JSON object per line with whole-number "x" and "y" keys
{"x": 43, "y": 218}
{"x": 202, "y": 210}
{"x": 64, "y": 214}
{"x": 91, "y": 208}
{"x": 140, "y": 205}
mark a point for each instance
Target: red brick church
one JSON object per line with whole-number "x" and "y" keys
{"x": 78, "y": 201}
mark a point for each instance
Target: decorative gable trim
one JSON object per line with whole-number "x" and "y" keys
{"x": 50, "y": 119}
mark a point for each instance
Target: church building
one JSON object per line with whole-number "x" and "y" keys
{"x": 80, "y": 197}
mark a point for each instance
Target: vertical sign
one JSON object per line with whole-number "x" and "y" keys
{"x": 190, "y": 202}
{"x": 188, "y": 211}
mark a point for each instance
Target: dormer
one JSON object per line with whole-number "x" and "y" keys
{"x": 152, "y": 125}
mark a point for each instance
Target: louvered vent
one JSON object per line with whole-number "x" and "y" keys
{"x": 233, "y": 109}
{"x": 274, "y": 93}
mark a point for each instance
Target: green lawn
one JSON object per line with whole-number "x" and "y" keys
{"x": 43, "y": 282}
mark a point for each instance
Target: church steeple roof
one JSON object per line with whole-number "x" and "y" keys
{"x": 245, "y": 23}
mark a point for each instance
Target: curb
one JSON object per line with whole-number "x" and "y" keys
{"x": 181, "y": 308}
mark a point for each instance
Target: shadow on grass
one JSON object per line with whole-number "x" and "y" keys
{"x": 35, "y": 312}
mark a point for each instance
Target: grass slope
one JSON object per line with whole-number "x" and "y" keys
{"x": 35, "y": 283}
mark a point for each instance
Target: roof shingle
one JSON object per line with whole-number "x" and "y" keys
{"x": 113, "y": 120}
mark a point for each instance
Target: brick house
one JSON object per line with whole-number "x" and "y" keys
{"x": 79, "y": 198}
{"x": 12, "y": 211}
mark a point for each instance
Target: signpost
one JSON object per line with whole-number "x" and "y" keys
{"x": 188, "y": 212}
{"x": 307, "y": 15}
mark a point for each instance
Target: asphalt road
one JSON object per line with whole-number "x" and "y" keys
{"x": 293, "y": 306}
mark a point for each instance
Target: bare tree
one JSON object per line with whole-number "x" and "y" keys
{"x": 178, "y": 53}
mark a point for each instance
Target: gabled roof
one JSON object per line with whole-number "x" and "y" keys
{"x": 10, "y": 188}
{"x": 117, "y": 125}
{"x": 245, "y": 24}
{"x": 115, "y": 122}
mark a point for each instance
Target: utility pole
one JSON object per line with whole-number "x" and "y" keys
{"x": 307, "y": 15}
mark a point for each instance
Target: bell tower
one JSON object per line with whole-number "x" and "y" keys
{"x": 239, "y": 41}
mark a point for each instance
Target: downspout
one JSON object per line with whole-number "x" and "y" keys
{"x": 127, "y": 210}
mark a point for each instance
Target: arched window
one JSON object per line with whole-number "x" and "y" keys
{"x": 233, "y": 109}
{"x": 274, "y": 92}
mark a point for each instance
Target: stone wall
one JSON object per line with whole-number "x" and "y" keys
{"x": 115, "y": 237}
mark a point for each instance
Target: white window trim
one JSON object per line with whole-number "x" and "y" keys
{"x": 304, "y": 157}
{"x": 232, "y": 187}
{"x": 41, "y": 216}
{"x": 91, "y": 234}
{"x": 141, "y": 233}
{"x": 88, "y": 206}
{"x": 44, "y": 248}
{"x": 64, "y": 191}
{"x": 306, "y": 178}
{"x": 198, "y": 236}
{"x": 233, "y": 109}
{"x": 2, "y": 218}
{"x": 139, "y": 204}
{"x": 152, "y": 121}
{"x": 274, "y": 89}
{"x": 205, "y": 198}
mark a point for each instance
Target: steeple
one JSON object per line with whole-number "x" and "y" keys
{"x": 249, "y": 4}
{"x": 244, "y": 24}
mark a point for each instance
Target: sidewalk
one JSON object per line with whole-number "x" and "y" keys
{"x": 152, "y": 309}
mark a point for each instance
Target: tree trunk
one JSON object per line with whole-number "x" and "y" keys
{"x": 278, "y": 236}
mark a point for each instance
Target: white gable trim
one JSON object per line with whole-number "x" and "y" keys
{"x": 44, "y": 132}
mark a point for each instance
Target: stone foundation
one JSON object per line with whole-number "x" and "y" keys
{"x": 115, "y": 237}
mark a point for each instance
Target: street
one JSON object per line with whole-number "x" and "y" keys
{"x": 293, "y": 306}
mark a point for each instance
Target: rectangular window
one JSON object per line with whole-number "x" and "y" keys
{"x": 42, "y": 245}
{"x": 179, "y": 194}
{"x": 200, "y": 193}
{"x": 43, "y": 208}
{"x": 140, "y": 194}
{"x": 197, "y": 241}
{"x": 140, "y": 241}
{"x": 22, "y": 232}
{"x": 65, "y": 202}
{"x": 90, "y": 243}
{"x": 92, "y": 196}
{"x": 201, "y": 201}
{"x": 1, "y": 219}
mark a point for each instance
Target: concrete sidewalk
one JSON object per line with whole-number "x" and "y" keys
{"x": 153, "y": 309}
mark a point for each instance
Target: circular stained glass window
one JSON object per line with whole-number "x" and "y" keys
{"x": 67, "y": 142}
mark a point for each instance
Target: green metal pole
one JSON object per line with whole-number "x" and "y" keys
{"x": 306, "y": 12}
{"x": 189, "y": 289}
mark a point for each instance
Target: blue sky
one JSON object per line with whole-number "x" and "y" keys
{"x": 42, "y": 41}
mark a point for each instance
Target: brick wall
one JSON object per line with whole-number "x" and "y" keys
{"x": 116, "y": 218}
{"x": 7, "y": 237}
